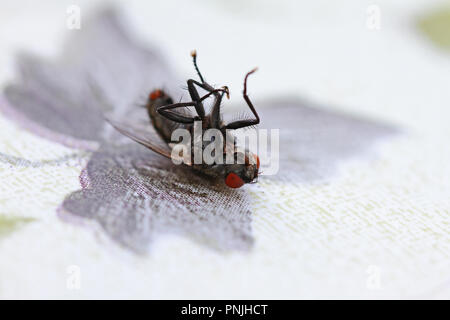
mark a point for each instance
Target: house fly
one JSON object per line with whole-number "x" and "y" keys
{"x": 160, "y": 107}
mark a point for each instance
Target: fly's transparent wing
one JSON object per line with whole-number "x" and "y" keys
{"x": 148, "y": 138}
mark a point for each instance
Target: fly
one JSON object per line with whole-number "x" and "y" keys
{"x": 160, "y": 107}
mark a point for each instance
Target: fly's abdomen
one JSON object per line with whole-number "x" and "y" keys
{"x": 162, "y": 125}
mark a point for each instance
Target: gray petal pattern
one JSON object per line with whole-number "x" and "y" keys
{"x": 135, "y": 194}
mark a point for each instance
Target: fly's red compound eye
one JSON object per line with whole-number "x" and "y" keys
{"x": 233, "y": 181}
{"x": 156, "y": 94}
{"x": 257, "y": 162}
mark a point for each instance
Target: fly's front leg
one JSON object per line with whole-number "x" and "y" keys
{"x": 248, "y": 122}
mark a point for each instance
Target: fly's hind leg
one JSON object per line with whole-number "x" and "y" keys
{"x": 248, "y": 122}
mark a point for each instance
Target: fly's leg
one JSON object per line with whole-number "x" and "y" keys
{"x": 203, "y": 84}
{"x": 165, "y": 112}
{"x": 194, "y": 58}
{"x": 196, "y": 97}
{"x": 224, "y": 91}
{"x": 248, "y": 122}
{"x": 215, "y": 110}
{"x": 197, "y": 101}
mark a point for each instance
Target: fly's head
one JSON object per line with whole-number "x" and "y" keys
{"x": 238, "y": 174}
